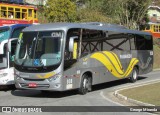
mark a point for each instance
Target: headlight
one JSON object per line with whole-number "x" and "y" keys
{"x": 16, "y": 77}
{"x": 54, "y": 77}
{"x": 3, "y": 74}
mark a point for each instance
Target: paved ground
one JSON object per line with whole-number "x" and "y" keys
{"x": 98, "y": 97}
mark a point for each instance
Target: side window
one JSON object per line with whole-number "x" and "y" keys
{"x": 17, "y": 13}
{"x": 72, "y": 55}
{"x": 91, "y": 41}
{"x": 3, "y": 12}
{"x": 144, "y": 42}
{"x": 13, "y": 50}
{"x": 116, "y": 41}
{"x": 24, "y": 14}
{"x": 149, "y": 42}
{"x": 30, "y": 12}
{"x": 35, "y": 13}
{"x": 132, "y": 42}
{"x": 140, "y": 42}
{"x": 3, "y": 57}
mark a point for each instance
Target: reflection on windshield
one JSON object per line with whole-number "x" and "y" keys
{"x": 39, "y": 49}
{"x": 4, "y": 34}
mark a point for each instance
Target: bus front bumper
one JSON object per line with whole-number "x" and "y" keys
{"x": 6, "y": 81}
{"x": 38, "y": 85}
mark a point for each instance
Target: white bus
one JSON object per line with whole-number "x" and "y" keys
{"x": 8, "y": 41}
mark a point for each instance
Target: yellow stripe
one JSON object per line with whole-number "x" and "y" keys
{"x": 114, "y": 61}
{"x": 113, "y": 69}
{"x": 102, "y": 58}
{"x": 119, "y": 63}
{"x": 48, "y": 75}
{"x": 133, "y": 62}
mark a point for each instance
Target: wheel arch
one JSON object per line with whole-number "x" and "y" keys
{"x": 137, "y": 67}
{"x": 89, "y": 73}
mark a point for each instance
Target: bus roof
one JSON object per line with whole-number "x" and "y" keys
{"x": 18, "y": 5}
{"x": 14, "y": 26}
{"x": 66, "y": 26}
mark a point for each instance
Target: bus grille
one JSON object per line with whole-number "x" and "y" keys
{"x": 24, "y": 85}
{"x": 33, "y": 79}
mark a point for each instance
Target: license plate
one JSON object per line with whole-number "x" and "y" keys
{"x": 32, "y": 85}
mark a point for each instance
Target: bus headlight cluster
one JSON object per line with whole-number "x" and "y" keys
{"x": 17, "y": 77}
{"x": 3, "y": 74}
{"x": 54, "y": 77}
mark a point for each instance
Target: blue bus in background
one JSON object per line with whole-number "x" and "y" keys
{"x": 8, "y": 40}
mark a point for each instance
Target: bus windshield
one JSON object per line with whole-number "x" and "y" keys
{"x": 4, "y": 34}
{"x": 39, "y": 49}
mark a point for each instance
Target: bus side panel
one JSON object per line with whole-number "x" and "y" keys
{"x": 145, "y": 58}
{"x": 71, "y": 76}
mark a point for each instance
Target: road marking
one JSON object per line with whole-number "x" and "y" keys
{"x": 102, "y": 94}
{"x": 139, "y": 84}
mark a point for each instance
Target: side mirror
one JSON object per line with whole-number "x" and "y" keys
{"x": 71, "y": 43}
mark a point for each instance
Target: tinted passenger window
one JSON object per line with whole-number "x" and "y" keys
{"x": 144, "y": 42}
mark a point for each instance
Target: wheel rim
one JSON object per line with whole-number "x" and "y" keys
{"x": 134, "y": 74}
{"x": 85, "y": 84}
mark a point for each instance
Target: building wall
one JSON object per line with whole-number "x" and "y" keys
{"x": 36, "y": 2}
{"x": 151, "y": 12}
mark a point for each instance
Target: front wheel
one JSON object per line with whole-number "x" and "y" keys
{"x": 86, "y": 84}
{"x": 134, "y": 75}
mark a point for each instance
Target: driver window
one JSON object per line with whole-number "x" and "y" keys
{"x": 72, "y": 55}
{"x": 13, "y": 50}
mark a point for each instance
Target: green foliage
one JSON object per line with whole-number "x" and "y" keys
{"x": 125, "y": 12}
{"x": 90, "y": 15}
{"x": 128, "y": 12}
{"x": 60, "y": 11}
{"x": 41, "y": 15}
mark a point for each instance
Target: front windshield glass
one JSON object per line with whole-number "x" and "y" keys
{"x": 39, "y": 49}
{"x": 4, "y": 34}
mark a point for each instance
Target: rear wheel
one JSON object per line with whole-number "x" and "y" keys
{"x": 134, "y": 75}
{"x": 86, "y": 84}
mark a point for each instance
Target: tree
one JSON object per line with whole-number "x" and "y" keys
{"x": 60, "y": 11}
{"x": 90, "y": 15}
{"x": 127, "y": 12}
{"x": 41, "y": 15}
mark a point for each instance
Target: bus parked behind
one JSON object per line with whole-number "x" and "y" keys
{"x": 8, "y": 41}
{"x": 12, "y": 13}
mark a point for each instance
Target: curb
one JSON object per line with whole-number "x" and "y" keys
{"x": 120, "y": 96}
{"x": 158, "y": 69}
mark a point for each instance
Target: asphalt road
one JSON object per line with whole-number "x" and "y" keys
{"x": 98, "y": 97}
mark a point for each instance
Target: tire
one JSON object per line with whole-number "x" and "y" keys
{"x": 86, "y": 84}
{"x": 134, "y": 75}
